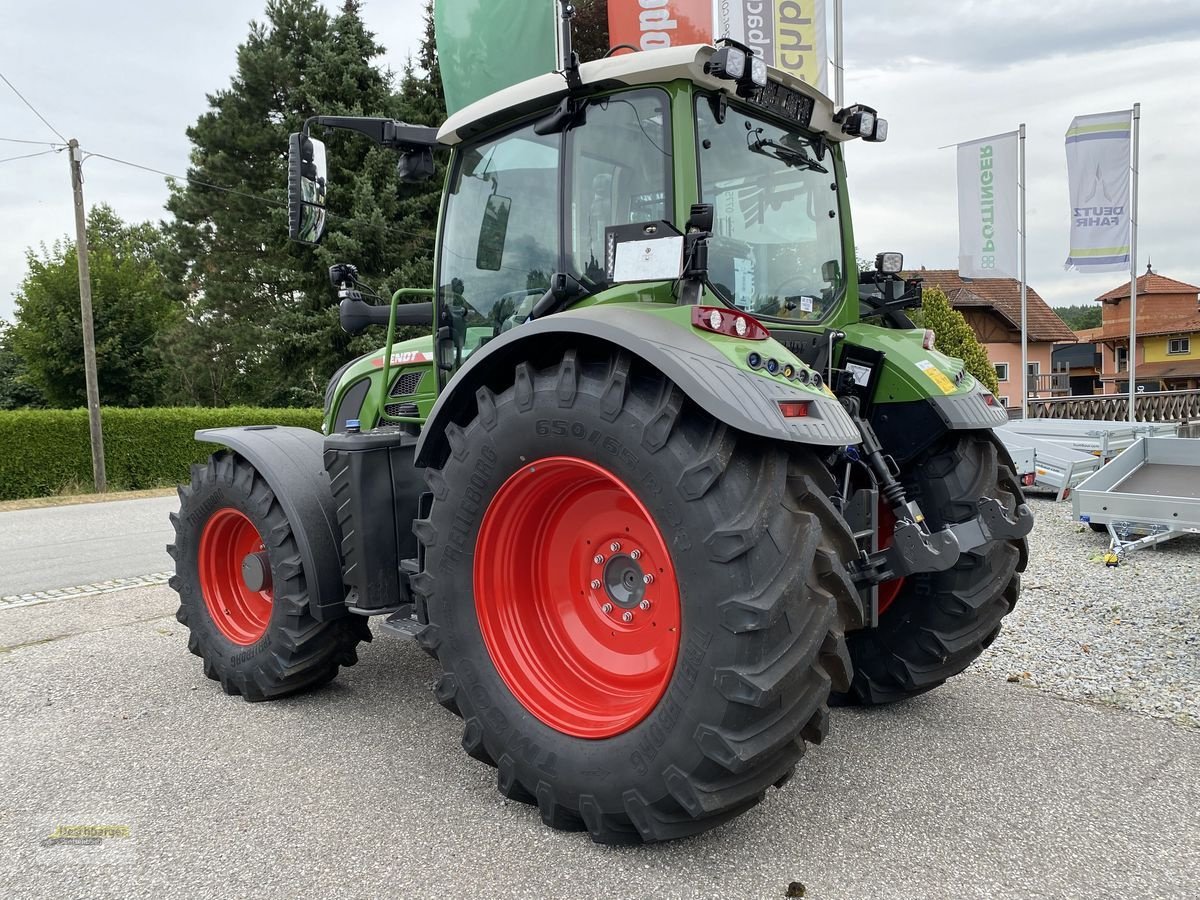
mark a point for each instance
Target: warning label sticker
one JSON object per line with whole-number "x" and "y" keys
{"x": 936, "y": 375}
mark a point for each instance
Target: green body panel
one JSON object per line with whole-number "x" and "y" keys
{"x": 908, "y": 366}
{"x": 407, "y": 356}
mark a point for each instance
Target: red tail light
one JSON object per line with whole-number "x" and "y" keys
{"x": 989, "y": 399}
{"x": 793, "y": 409}
{"x": 728, "y": 322}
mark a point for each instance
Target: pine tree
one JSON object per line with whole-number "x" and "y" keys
{"x": 955, "y": 337}
{"x": 261, "y": 323}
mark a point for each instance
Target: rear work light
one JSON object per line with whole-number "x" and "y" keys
{"x": 793, "y": 409}
{"x": 728, "y": 322}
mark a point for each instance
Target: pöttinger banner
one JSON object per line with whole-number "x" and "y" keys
{"x": 1098, "y": 175}
{"x": 987, "y": 207}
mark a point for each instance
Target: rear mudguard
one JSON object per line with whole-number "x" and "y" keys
{"x": 290, "y": 460}
{"x": 742, "y": 399}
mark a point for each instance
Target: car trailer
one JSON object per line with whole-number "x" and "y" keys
{"x": 1054, "y": 467}
{"x": 1147, "y": 495}
{"x": 1099, "y": 438}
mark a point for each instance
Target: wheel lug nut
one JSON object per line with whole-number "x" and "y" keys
{"x": 635, "y": 554}
{"x": 598, "y": 558}
{"x": 595, "y": 584}
{"x": 647, "y": 578}
{"x": 627, "y": 616}
{"x": 606, "y": 608}
{"x": 645, "y": 604}
{"x": 614, "y": 546}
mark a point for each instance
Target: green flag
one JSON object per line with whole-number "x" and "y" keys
{"x": 487, "y": 45}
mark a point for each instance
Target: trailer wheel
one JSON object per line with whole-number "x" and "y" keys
{"x": 242, "y": 590}
{"x": 934, "y": 625}
{"x": 635, "y": 608}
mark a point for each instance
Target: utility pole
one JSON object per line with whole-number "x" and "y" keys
{"x": 85, "y": 308}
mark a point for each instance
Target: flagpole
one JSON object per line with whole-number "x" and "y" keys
{"x": 838, "y": 83}
{"x": 1024, "y": 298}
{"x": 1133, "y": 265}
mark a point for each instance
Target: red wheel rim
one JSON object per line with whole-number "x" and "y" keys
{"x": 240, "y": 613}
{"x": 889, "y": 590}
{"x": 577, "y": 597}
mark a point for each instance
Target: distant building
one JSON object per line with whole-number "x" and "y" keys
{"x": 992, "y": 307}
{"x": 1168, "y": 335}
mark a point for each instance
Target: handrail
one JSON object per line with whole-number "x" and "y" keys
{"x": 385, "y": 383}
{"x": 1151, "y": 406}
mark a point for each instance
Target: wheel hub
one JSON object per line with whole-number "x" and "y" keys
{"x": 577, "y": 598}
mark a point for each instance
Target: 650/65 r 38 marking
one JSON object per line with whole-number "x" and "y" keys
{"x": 559, "y": 654}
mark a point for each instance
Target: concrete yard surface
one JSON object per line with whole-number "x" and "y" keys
{"x": 979, "y": 789}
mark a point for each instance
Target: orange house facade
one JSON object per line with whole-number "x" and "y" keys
{"x": 992, "y": 307}
{"x": 1168, "y": 336}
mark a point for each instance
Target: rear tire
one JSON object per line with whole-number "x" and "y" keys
{"x": 258, "y": 644}
{"x": 753, "y": 545}
{"x": 940, "y": 622}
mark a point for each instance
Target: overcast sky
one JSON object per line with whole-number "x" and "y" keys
{"x": 127, "y": 77}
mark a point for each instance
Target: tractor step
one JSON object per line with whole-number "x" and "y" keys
{"x": 402, "y": 624}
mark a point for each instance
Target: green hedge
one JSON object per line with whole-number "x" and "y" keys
{"x": 46, "y": 451}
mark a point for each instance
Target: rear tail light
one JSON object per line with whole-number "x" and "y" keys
{"x": 989, "y": 399}
{"x": 793, "y": 409}
{"x": 929, "y": 339}
{"x": 728, "y": 322}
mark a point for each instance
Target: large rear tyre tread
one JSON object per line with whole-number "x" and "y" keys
{"x": 941, "y": 622}
{"x": 297, "y": 652}
{"x": 752, "y": 679}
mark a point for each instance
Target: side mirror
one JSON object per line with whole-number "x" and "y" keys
{"x": 493, "y": 231}
{"x": 306, "y": 189}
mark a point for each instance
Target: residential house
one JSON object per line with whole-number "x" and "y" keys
{"x": 1168, "y": 335}
{"x": 992, "y": 307}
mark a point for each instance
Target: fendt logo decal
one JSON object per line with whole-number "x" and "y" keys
{"x": 400, "y": 359}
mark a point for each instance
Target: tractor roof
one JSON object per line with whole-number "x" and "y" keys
{"x": 644, "y": 67}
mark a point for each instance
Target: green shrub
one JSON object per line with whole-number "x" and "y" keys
{"x": 43, "y": 451}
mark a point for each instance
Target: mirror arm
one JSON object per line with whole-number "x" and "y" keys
{"x": 385, "y": 132}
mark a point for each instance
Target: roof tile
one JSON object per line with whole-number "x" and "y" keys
{"x": 1004, "y": 296}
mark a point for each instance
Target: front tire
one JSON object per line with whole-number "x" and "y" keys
{"x": 934, "y": 625}
{"x": 633, "y": 724}
{"x": 261, "y": 644}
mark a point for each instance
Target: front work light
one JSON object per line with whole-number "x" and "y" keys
{"x": 861, "y": 121}
{"x": 728, "y": 62}
{"x": 889, "y": 263}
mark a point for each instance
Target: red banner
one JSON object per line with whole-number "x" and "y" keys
{"x": 654, "y": 24}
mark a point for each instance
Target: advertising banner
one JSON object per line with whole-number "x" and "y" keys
{"x": 486, "y": 46}
{"x": 655, "y": 24}
{"x": 788, "y": 34}
{"x": 987, "y": 207}
{"x": 1098, "y": 177}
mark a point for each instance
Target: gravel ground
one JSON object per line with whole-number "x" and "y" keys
{"x": 1127, "y": 636}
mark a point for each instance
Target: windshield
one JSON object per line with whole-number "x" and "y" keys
{"x": 777, "y": 244}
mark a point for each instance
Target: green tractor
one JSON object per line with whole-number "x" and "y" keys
{"x": 667, "y": 478}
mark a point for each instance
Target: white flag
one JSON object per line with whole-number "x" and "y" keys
{"x": 1098, "y": 175}
{"x": 987, "y": 207}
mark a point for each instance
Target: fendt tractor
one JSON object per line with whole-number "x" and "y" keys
{"x": 669, "y": 475}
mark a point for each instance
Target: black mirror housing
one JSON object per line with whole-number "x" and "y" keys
{"x": 307, "y": 185}
{"x": 415, "y": 166}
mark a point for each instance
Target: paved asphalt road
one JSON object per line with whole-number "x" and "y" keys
{"x": 66, "y": 546}
{"x": 980, "y": 789}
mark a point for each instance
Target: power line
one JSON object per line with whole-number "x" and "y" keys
{"x": 27, "y": 156}
{"x": 267, "y": 200}
{"x": 32, "y": 107}
{"x": 38, "y": 143}
{"x": 189, "y": 179}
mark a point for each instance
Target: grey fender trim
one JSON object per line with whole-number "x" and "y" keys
{"x": 744, "y": 401}
{"x": 968, "y": 411}
{"x": 292, "y": 462}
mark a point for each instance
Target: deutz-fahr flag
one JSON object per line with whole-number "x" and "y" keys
{"x": 987, "y": 207}
{"x": 487, "y": 45}
{"x": 1098, "y": 174}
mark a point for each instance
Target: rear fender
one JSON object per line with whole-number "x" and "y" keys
{"x": 291, "y": 461}
{"x": 743, "y": 399}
